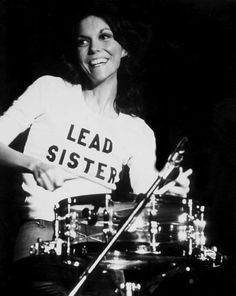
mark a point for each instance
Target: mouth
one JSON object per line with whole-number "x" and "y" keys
{"x": 97, "y": 62}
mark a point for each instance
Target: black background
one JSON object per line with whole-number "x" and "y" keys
{"x": 189, "y": 90}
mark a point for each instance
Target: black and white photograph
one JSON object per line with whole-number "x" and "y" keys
{"x": 117, "y": 147}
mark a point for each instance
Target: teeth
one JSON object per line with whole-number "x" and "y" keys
{"x": 98, "y": 61}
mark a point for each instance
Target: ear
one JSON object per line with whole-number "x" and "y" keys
{"x": 124, "y": 53}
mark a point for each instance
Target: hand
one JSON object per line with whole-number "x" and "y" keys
{"x": 180, "y": 186}
{"x": 50, "y": 177}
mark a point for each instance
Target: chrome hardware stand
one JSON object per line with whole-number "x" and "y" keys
{"x": 130, "y": 289}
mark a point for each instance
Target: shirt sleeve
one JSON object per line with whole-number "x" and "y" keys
{"x": 23, "y": 111}
{"x": 142, "y": 164}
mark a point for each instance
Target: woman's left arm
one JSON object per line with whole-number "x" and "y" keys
{"x": 143, "y": 172}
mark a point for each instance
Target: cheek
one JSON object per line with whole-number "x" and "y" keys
{"x": 118, "y": 54}
{"x": 118, "y": 58}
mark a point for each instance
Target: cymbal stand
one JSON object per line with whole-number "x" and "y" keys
{"x": 130, "y": 289}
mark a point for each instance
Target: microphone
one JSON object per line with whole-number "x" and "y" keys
{"x": 176, "y": 156}
{"x": 171, "y": 169}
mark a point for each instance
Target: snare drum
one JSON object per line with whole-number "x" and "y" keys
{"x": 166, "y": 230}
{"x": 83, "y": 219}
{"x": 160, "y": 229}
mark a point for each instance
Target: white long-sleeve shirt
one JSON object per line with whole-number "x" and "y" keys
{"x": 65, "y": 132}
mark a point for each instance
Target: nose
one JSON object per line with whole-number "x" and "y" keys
{"x": 95, "y": 46}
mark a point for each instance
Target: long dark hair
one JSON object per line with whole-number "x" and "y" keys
{"x": 133, "y": 37}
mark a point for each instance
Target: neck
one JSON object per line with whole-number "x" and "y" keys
{"x": 101, "y": 98}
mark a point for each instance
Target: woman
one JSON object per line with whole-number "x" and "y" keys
{"x": 80, "y": 135}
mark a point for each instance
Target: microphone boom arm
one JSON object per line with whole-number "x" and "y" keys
{"x": 173, "y": 162}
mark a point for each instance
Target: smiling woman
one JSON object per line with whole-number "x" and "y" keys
{"x": 99, "y": 54}
{"x": 128, "y": 38}
{"x": 84, "y": 129}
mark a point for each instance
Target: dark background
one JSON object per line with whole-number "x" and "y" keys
{"x": 189, "y": 91}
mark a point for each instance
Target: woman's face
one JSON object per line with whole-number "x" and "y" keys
{"x": 99, "y": 54}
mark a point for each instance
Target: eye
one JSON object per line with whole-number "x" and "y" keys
{"x": 82, "y": 42}
{"x": 106, "y": 36}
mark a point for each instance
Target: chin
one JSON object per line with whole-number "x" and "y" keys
{"x": 99, "y": 79}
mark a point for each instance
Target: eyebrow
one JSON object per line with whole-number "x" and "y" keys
{"x": 101, "y": 31}
{"x": 104, "y": 29}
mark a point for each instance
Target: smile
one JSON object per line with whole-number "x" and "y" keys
{"x": 98, "y": 62}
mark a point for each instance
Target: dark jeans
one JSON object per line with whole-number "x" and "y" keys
{"x": 48, "y": 275}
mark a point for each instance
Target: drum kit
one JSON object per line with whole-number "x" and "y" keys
{"x": 139, "y": 234}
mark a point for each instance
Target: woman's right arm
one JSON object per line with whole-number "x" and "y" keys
{"x": 48, "y": 176}
{"x": 17, "y": 119}
{"x": 15, "y": 159}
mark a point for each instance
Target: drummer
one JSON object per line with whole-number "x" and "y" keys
{"x": 84, "y": 126}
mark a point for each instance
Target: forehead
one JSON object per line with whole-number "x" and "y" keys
{"x": 92, "y": 24}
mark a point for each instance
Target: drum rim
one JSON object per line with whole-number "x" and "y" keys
{"x": 85, "y": 199}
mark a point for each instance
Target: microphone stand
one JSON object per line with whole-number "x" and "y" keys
{"x": 163, "y": 180}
